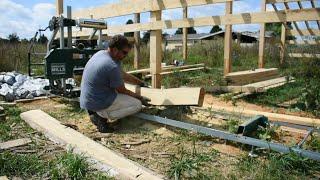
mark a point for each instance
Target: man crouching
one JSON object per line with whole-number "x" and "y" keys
{"x": 103, "y": 93}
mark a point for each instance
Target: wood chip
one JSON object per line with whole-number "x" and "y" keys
{"x": 14, "y": 143}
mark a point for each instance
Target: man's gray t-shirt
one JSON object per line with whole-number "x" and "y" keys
{"x": 101, "y": 77}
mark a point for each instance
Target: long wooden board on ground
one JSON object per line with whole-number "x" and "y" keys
{"x": 180, "y": 70}
{"x": 251, "y": 76}
{"x": 14, "y": 143}
{"x": 272, "y": 116}
{"x": 167, "y": 68}
{"x": 113, "y": 163}
{"x": 303, "y": 55}
{"x": 173, "y": 96}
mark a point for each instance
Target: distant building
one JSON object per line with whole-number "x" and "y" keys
{"x": 246, "y": 38}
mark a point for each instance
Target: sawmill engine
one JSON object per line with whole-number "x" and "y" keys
{"x": 66, "y": 58}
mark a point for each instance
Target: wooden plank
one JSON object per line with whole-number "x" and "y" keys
{"x": 262, "y": 38}
{"x": 182, "y": 70}
{"x": 250, "y": 76}
{"x": 244, "y": 18}
{"x": 228, "y": 42}
{"x": 173, "y": 96}
{"x": 14, "y": 143}
{"x": 4, "y": 178}
{"x": 115, "y": 164}
{"x": 136, "y": 46}
{"x": 304, "y": 32}
{"x": 314, "y": 6}
{"x": 167, "y": 68}
{"x": 283, "y": 1}
{"x": 59, "y": 7}
{"x": 155, "y": 51}
{"x": 231, "y": 89}
{"x": 271, "y": 116}
{"x": 303, "y": 55}
{"x": 304, "y": 42}
{"x": 139, "y": 6}
{"x": 283, "y": 44}
{"x": 185, "y": 36}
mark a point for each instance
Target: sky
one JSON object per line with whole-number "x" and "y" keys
{"x": 25, "y": 17}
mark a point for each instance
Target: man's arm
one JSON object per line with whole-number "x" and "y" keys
{"x": 124, "y": 90}
{"x": 128, "y": 78}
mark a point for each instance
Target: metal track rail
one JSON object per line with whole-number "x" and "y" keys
{"x": 232, "y": 137}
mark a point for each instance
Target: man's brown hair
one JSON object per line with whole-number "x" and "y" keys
{"x": 120, "y": 42}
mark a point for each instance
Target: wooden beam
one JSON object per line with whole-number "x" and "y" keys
{"x": 244, "y": 18}
{"x": 283, "y": 44}
{"x": 286, "y": 5}
{"x": 304, "y": 42}
{"x": 185, "y": 36}
{"x": 14, "y": 143}
{"x": 303, "y": 55}
{"x": 183, "y": 70}
{"x": 284, "y": 1}
{"x": 167, "y": 68}
{"x": 116, "y": 164}
{"x": 271, "y": 116}
{"x": 59, "y": 7}
{"x": 139, "y": 6}
{"x": 314, "y": 6}
{"x": 251, "y": 76}
{"x": 304, "y": 32}
{"x": 173, "y": 96}
{"x": 136, "y": 46}
{"x": 262, "y": 38}
{"x": 301, "y": 7}
{"x": 155, "y": 51}
{"x": 228, "y": 42}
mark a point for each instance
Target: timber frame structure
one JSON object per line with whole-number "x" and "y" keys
{"x": 156, "y": 25}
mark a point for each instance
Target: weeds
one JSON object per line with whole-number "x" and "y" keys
{"x": 232, "y": 125}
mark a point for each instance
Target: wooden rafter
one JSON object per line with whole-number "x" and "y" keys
{"x": 314, "y": 6}
{"x": 306, "y": 22}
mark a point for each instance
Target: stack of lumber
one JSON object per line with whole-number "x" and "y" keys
{"x": 251, "y": 76}
{"x": 254, "y": 87}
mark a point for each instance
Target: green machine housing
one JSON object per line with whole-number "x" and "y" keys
{"x": 64, "y": 63}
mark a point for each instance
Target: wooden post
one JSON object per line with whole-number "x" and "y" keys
{"x": 185, "y": 36}
{"x": 136, "y": 42}
{"x": 155, "y": 51}
{"x": 283, "y": 43}
{"x": 262, "y": 38}
{"x": 59, "y": 7}
{"x": 228, "y": 42}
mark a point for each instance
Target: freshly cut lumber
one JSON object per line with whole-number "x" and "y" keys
{"x": 4, "y": 178}
{"x": 115, "y": 164}
{"x": 263, "y": 85}
{"x": 308, "y": 42}
{"x": 272, "y": 116}
{"x": 304, "y": 32}
{"x": 182, "y": 70}
{"x": 303, "y": 55}
{"x": 14, "y": 143}
{"x": 251, "y": 76}
{"x": 232, "y": 89}
{"x": 167, "y": 68}
{"x": 173, "y": 96}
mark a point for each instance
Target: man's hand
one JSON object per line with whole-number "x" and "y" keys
{"x": 145, "y": 101}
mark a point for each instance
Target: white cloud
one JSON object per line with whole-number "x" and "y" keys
{"x": 16, "y": 18}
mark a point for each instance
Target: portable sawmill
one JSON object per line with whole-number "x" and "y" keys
{"x": 66, "y": 57}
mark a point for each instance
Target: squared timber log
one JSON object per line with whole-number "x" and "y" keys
{"x": 251, "y": 76}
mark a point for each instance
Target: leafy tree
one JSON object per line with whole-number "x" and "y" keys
{"x": 43, "y": 39}
{"x": 13, "y": 38}
{"x": 276, "y": 29}
{"x": 190, "y": 30}
{"x": 215, "y": 28}
{"x": 129, "y": 34}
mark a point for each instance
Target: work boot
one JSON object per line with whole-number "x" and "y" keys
{"x": 101, "y": 123}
